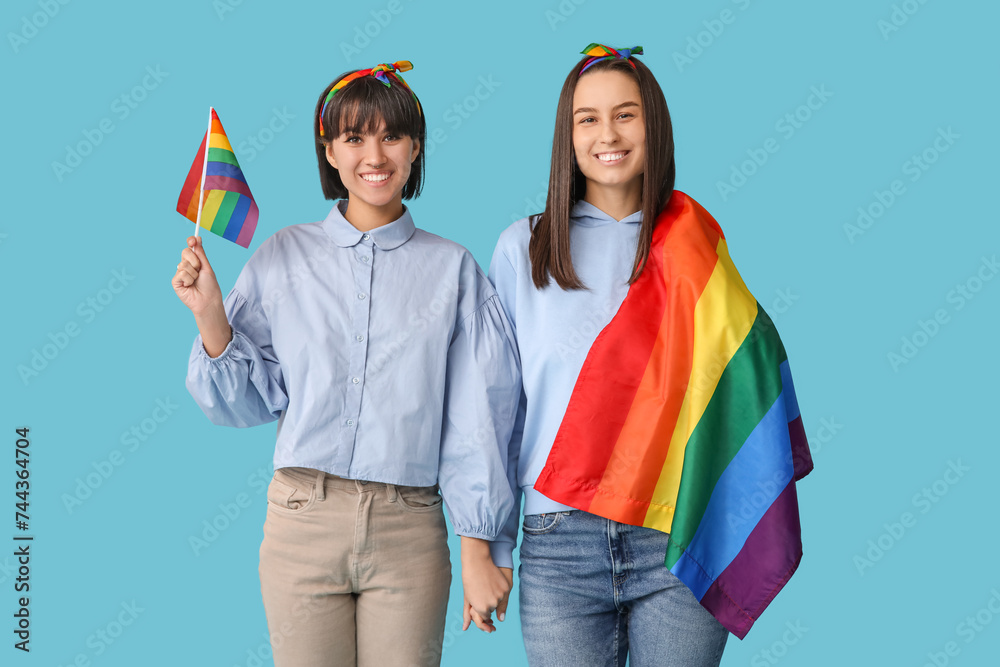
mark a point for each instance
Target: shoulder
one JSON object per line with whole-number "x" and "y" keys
{"x": 445, "y": 252}
{"x": 512, "y": 246}
{"x": 515, "y": 238}
{"x": 289, "y": 246}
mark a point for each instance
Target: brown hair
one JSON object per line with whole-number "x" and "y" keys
{"x": 549, "y": 247}
{"x": 361, "y": 107}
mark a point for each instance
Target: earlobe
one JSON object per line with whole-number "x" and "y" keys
{"x": 416, "y": 150}
{"x": 329, "y": 156}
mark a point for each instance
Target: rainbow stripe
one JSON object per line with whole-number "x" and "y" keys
{"x": 229, "y": 209}
{"x": 704, "y": 439}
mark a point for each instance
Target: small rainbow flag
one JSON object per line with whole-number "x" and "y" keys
{"x": 684, "y": 419}
{"x": 215, "y": 195}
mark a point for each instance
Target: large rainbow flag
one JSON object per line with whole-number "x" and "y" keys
{"x": 684, "y": 419}
{"x": 228, "y": 208}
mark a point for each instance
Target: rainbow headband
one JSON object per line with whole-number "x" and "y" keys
{"x": 600, "y": 52}
{"x": 381, "y": 72}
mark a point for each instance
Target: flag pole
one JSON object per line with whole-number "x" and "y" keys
{"x": 204, "y": 170}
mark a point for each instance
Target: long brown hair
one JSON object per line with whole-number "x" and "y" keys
{"x": 549, "y": 248}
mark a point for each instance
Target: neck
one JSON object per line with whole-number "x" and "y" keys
{"x": 366, "y": 217}
{"x": 619, "y": 201}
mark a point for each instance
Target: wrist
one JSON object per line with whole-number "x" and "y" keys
{"x": 474, "y": 548}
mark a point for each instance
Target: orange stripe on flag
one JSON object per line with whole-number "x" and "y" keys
{"x": 660, "y": 394}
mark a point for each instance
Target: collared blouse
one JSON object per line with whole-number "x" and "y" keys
{"x": 384, "y": 356}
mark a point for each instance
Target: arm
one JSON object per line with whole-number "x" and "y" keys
{"x": 233, "y": 373}
{"x": 482, "y": 385}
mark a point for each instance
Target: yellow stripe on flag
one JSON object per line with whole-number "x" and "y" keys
{"x": 219, "y": 140}
{"x": 213, "y": 199}
{"x": 725, "y": 299}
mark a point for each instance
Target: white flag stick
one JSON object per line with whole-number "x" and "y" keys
{"x": 204, "y": 170}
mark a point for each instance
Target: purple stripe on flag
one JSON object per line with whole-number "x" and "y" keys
{"x": 745, "y": 490}
{"x": 228, "y": 184}
{"x": 764, "y": 565}
{"x": 801, "y": 456}
{"x": 249, "y": 225}
{"x": 225, "y": 169}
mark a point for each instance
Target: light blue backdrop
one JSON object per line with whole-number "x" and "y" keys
{"x": 808, "y": 112}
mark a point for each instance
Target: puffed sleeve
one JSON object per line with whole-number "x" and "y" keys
{"x": 504, "y": 279}
{"x": 243, "y": 386}
{"x": 481, "y": 390}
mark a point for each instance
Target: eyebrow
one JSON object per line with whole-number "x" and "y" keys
{"x": 614, "y": 108}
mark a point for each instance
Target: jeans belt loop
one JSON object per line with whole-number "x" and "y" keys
{"x": 320, "y": 485}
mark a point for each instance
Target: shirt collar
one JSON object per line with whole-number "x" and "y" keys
{"x": 586, "y": 214}
{"x": 386, "y": 237}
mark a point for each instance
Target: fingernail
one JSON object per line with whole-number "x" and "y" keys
{"x": 500, "y": 616}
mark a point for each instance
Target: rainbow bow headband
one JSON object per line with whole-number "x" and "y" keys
{"x": 382, "y": 72}
{"x": 600, "y": 52}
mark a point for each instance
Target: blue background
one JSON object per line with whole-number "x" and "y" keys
{"x": 868, "y": 592}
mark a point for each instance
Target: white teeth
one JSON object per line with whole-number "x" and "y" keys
{"x": 375, "y": 178}
{"x": 609, "y": 157}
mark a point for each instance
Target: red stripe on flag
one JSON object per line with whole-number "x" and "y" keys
{"x": 614, "y": 368}
{"x": 187, "y": 202}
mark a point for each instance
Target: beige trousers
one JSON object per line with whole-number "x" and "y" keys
{"x": 353, "y": 573}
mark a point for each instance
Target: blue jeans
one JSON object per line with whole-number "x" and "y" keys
{"x": 593, "y": 591}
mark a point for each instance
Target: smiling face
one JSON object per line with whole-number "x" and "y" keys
{"x": 609, "y": 135}
{"x": 374, "y": 168}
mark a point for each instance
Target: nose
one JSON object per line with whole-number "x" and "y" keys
{"x": 375, "y": 155}
{"x": 609, "y": 133}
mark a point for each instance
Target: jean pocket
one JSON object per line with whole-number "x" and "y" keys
{"x": 289, "y": 494}
{"x": 419, "y": 498}
{"x": 538, "y": 524}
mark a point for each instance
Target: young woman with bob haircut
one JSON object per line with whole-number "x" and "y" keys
{"x": 384, "y": 355}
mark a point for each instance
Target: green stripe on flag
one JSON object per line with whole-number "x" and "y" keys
{"x": 222, "y": 155}
{"x": 225, "y": 212}
{"x": 747, "y": 389}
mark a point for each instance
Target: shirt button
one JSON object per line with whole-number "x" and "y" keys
{"x": 364, "y": 258}
{"x": 350, "y": 422}
{"x": 366, "y": 237}
{"x": 355, "y": 380}
{"x": 360, "y": 338}
{"x": 361, "y": 295}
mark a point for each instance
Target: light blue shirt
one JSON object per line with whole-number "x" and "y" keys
{"x": 384, "y": 355}
{"x": 555, "y": 329}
